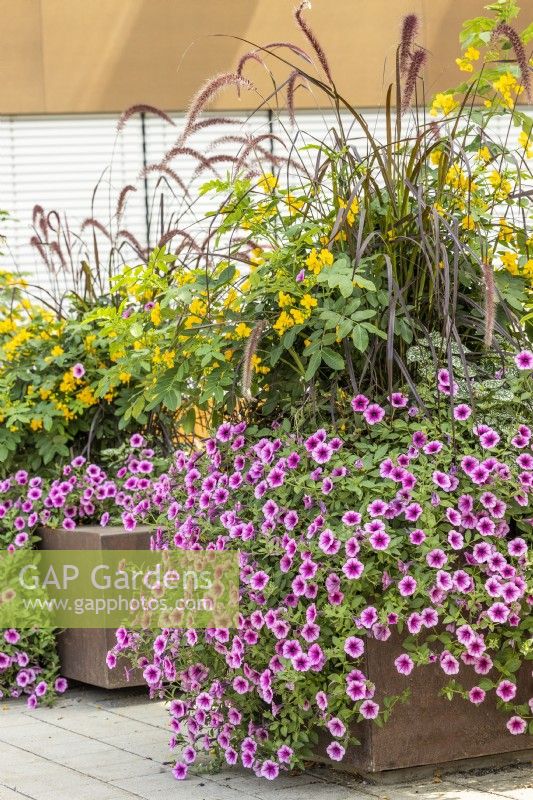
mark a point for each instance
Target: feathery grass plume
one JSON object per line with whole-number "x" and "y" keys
{"x": 503, "y": 29}
{"x": 55, "y": 248}
{"x": 90, "y": 222}
{"x": 164, "y": 170}
{"x": 252, "y": 55}
{"x": 253, "y": 144}
{"x": 418, "y": 60}
{"x": 410, "y": 28}
{"x": 292, "y": 85}
{"x": 141, "y": 109}
{"x": 121, "y": 203}
{"x": 220, "y": 159}
{"x": 208, "y": 92}
{"x": 185, "y": 151}
{"x": 141, "y": 251}
{"x": 311, "y": 38}
{"x": 292, "y": 47}
{"x": 490, "y": 302}
{"x": 249, "y": 353}
{"x": 37, "y": 243}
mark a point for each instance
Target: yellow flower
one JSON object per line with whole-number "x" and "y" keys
{"x": 284, "y": 300}
{"x": 443, "y": 104}
{"x": 501, "y": 185}
{"x": 45, "y": 393}
{"x": 472, "y": 53}
{"x": 155, "y": 314}
{"x": 267, "y": 182}
{"x": 484, "y": 154}
{"x": 435, "y": 156}
{"x": 468, "y": 223}
{"x": 317, "y": 261}
{"x": 228, "y": 355}
{"x": 86, "y": 396}
{"x": 256, "y": 256}
{"x": 242, "y": 331}
{"x": 464, "y": 65}
{"x": 506, "y": 232}
{"x": 198, "y": 308}
{"x": 68, "y": 383}
{"x": 526, "y": 141}
{"x": 283, "y": 323}
{"x": 308, "y": 302}
{"x": 352, "y": 211}
{"x": 256, "y": 365}
{"x": 297, "y": 316}
{"x": 506, "y": 85}
{"x": 36, "y": 424}
{"x": 56, "y": 351}
{"x": 510, "y": 262}
{"x": 124, "y": 377}
{"x": 293, "y": 204}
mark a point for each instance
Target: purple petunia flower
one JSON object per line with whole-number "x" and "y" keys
{"x": 524, "y": 360}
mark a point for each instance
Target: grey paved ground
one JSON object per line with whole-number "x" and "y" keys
{"x": 96, "y": 745}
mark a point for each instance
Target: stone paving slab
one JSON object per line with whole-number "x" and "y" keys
{"x": 98, "y": 745}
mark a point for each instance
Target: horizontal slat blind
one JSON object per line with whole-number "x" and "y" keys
{"x": 56, "y": 162}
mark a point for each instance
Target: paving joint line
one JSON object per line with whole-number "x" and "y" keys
{"x": 71, "y": 769}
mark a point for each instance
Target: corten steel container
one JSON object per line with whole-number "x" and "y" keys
{"x": 429, "y": 729}
{"x": 82, "y": 651}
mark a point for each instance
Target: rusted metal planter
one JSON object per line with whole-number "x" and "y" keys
{"x": 82, "y": 651}
{"x": 429, "y": 729}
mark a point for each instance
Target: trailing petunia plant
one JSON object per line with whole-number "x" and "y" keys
{"x": 409, "y": 525}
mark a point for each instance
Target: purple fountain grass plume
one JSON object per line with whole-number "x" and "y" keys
{"x": 410, "y": 28}
{"x": 311, "y": 38}
{"x": 293, "y": 47}
{"x": 187, "y": 240}
{"x": 208, "y": 92}
{"x": 490, "y": 302}
{"x": 185, "y": 151}
{"x": 141, "y": 251}
{"x": 141, "y": 108}
{"x": 220, "y": 159}
{"x": 254, "y": 144}
{"x": 163, "y": 169}
{"x": 249, "y": 352}
{"x": 91, "y": 222}
{"x": 292, "y": 85}
{"x": 252, "y": 55}
{"x": 55, "y": 248}
{"x": 418, "y": 60}
{"x": 503, "y": 29}
{"x": 201, "y": 124}
{"x": 121, "y": 203}
{"x": 37, "y": 243}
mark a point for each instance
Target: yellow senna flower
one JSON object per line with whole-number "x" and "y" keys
{"x": 57, "y": 351}
{"x": 36, "y": 424}
{"x": 284, "y": 300}
{"x": 308, "y": 302}
{"x": 124, "y": 377}
{"x": 484, "y": 154}
{"x": 155, "y": 314}
{"x": 316, "y": 261}
{"x": 510, "y": 262}
{"x": 443, "y": 104}
{"x": 526, "y": 142}
{"x": 242, "y": 331}
{"x": 267, "y": 182}
{"x": 468, "y": 223}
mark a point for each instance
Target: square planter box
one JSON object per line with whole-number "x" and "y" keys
{"x": 429, "y": 729}
{"x": 82, "y": 651}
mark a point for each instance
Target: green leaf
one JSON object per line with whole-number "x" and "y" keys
{"x": 333, "y": 359}
{"x": 313, "y": 365}
{"x": 360, "y": 338}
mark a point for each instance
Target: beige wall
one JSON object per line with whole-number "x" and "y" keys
{"x": 105, "y": 55}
